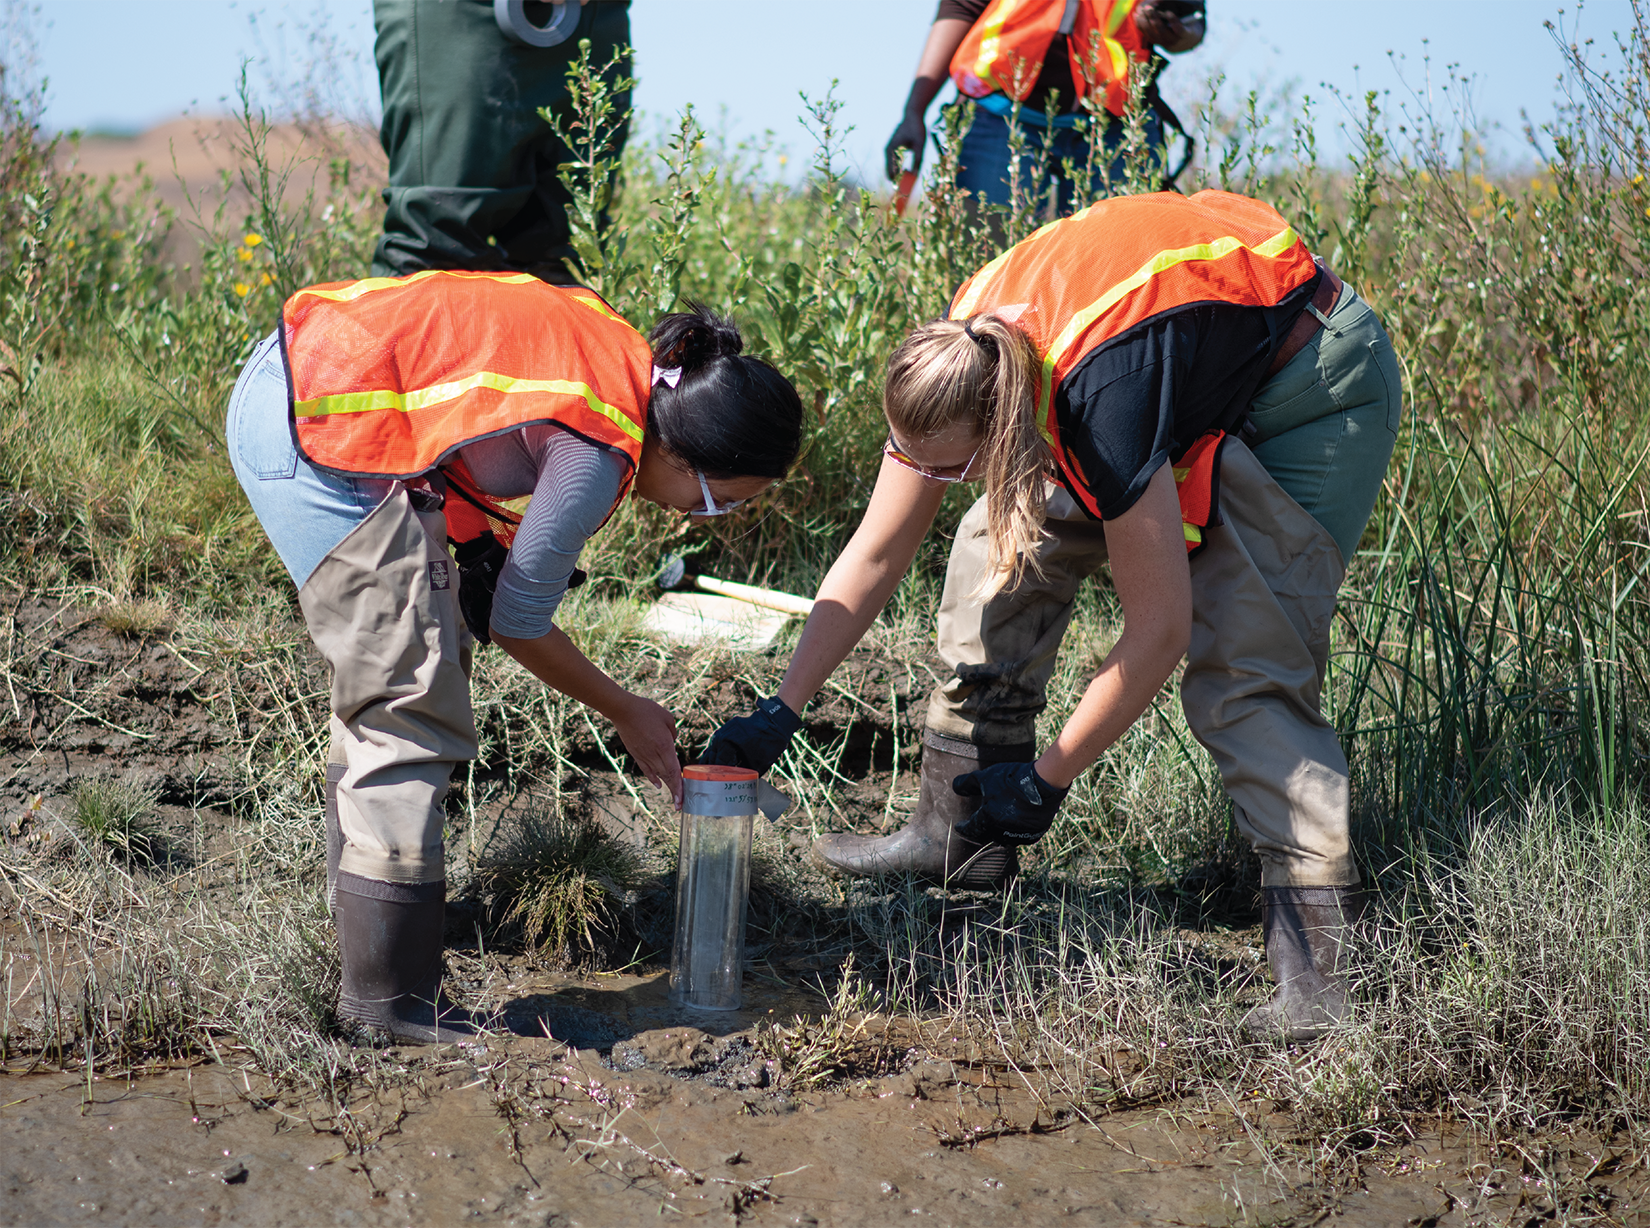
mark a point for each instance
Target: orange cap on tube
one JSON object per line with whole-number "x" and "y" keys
{"x": 716, "y": 771}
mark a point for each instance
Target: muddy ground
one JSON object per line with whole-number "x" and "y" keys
{"x": 525, "y": 1132}
{"x": 598, "y": 1102}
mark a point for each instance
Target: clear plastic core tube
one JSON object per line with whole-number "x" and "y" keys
{"x": 713, "y": 879}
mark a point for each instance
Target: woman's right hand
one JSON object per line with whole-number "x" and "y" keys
{"x": 648, "y": 732}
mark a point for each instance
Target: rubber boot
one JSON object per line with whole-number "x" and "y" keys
{"x": 389, "y": 935}
{"x": 1306, "y": 931}
{"x": 335, "y": 836}
{"x": 928, "y": 845}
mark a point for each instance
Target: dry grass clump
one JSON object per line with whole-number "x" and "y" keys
{"x": 563, "y": 883}
{"x": 137, "y": 618}
{"x": 119, "y": 816}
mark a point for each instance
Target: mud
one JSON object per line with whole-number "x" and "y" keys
{"x": 598, "y": 1101}
{"x": 519, "y": 1131}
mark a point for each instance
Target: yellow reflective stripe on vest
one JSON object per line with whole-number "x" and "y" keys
{"x": 1192, "y": 533}
{"x": 595, "y": 304}
{"x": 424, "y": 398}
{"x": 1119, "y": 60}
{"x": 1160, "y": 263}
{"x": 368, "y": 285}
{"x": 965, "y": 306}
{"x": 991, "y": 38}
{"x": 1119, "y": 10}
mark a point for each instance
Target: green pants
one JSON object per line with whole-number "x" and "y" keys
{"x": 1328, "y": 421}
{"x": 472, "y": 166}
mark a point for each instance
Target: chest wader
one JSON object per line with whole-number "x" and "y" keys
{"x": 382, "y": 608}
{"x": 387, "y": 380}
{"x": 1263, "y": 595}
{"x": 473, "y": 182}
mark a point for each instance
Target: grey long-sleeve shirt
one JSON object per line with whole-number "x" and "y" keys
{"x": 573, "y": 484}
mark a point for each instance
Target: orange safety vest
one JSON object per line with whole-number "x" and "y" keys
{"x": 1080, "y": 282}
{"x": 1003, "y": 52}
{"x": 391, "y": 376}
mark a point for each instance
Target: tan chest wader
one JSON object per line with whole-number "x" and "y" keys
{"x": 1264, "y": 578}
{"x": 390, "y": 378}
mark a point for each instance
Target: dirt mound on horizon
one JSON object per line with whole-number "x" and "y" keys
{"x": 188, "y": 158}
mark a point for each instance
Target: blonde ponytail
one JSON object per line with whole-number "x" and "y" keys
{"x": 981, "y": 374}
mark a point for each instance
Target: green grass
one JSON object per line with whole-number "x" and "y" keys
{"x": 564, "y": 882}
{"x": 118, "y": 816}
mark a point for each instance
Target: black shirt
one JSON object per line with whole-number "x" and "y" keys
{"x": 1145, "y": 396}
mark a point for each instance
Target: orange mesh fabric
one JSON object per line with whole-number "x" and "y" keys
{"x": 1079, "y": 282}
{"x": 390, "y": 376}
{"x": 1197, "y": 483}
{"x": 1003, "y": 52}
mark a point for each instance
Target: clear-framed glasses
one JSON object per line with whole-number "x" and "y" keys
{"x": 710, "y": 508}
{"x": 938, "y": 473}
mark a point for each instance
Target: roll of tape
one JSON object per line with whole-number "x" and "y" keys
{"x": 511, "y": 16}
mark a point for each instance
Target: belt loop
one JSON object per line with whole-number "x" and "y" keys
{"x": 1323, "y": 319}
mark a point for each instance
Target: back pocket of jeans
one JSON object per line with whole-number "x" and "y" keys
{"x": 263, "y": 433}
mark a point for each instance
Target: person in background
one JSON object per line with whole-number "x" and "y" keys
{"x": 389, "y": 416}
{"x": 473, "y": 181}
{"x": 1175, "y": 388}
{"x": 999, "y": 50}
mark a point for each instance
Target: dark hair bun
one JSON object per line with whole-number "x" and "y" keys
{"x": 690, "y": 339}
{"x": 729, "y": 415}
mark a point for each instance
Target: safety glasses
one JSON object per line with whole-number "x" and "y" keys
{"x": 938, "y": 473}
{"x": 710, "y": 508}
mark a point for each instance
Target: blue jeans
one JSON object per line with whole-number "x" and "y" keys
{"x": 985, "y": 159}
{"x": 304, "y": 511}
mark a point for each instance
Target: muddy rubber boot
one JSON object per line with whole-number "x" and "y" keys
{"x": 1306, "y": 931}
{"x": 928, "y": 845}
{"x": 389, "y": 935}
{"x": 335, "y": 836}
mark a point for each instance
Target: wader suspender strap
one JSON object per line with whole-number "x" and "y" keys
{"x": 490, "y": 511}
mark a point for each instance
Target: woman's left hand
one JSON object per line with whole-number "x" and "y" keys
{"x": 648, "y": 731}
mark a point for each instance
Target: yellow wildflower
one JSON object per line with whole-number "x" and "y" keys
{"x": 242, "y": 289}
{"x": 244, "y": 254}
{"x": 252, "y": 240}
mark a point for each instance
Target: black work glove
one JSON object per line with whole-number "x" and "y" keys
{"x": 911, "y": 134}
{"x": 755, "y": 741}
{"x": 1016, "y": 804}
{"x": 480, "y": 560}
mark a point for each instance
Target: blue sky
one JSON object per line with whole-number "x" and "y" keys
{"x": 130, "y": 63}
